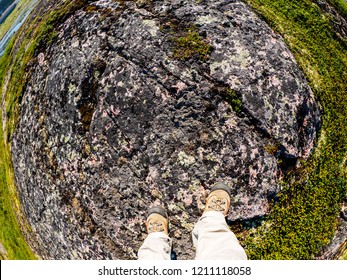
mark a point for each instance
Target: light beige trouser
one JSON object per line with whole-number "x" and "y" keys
{"x": 212, "y": 239}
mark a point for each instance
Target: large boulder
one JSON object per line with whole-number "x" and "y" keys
{"x": 114, "y": 119}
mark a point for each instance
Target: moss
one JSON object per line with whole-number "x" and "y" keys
{"x": 344, "y": 255}
{"x": 4, "y": 59}
{"x": 46, "y": 36}
{"x": 340, "y": 5}
{"x": 191, "y": 45}
{"x": 10, "y": 232}
{"x": 272, "y": 149}
{"x": 90, "y": 8}
{"x": 234, "y": 100}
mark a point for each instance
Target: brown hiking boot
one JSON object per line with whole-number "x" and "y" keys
{"x": 218, "y": 199}
{"x": 157, "y": 220}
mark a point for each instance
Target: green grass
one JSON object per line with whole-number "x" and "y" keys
{"x": 4, "y": 60}
{"x": 305, "y": 217}
{"x": 10, "y": 233}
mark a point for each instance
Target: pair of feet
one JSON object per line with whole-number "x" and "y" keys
{"x": 218, "y": 200}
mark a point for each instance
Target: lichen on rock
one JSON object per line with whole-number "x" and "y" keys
{"x": 112, "y": 122}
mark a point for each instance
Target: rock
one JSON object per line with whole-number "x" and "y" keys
{"x": 3, "y": 252}
{"x": 113, "y": 122}
{"x": 177, "y": 234}
{"x": 338, "y": 244}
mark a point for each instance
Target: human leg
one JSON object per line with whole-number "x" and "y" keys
{"x": 157, "y": 245}
{"x": 212, "y": 237}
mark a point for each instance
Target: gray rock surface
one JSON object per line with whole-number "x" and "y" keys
{"x": 111, "y": 124}
{"x": 3, "y": 252}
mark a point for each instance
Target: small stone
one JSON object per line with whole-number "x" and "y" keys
{"x": 178, "y": 234}
{"x": 185, "y": 159}
{"x": 155, "y": 193}
{"x": 122, "y": 160}
{"x": 204, "y": 136}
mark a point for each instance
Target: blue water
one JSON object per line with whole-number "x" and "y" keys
{"x": 4, "y": 4}
{"x": 16, "y": 25}
{"x": 8, "y": 11}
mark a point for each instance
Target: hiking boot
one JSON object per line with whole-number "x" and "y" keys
{"x": 157, "y": 220}
{"x": 218, "y": 199}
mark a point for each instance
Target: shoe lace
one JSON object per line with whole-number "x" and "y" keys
{"x": 217, "y": 204}
{"x": 156, "y": 226}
